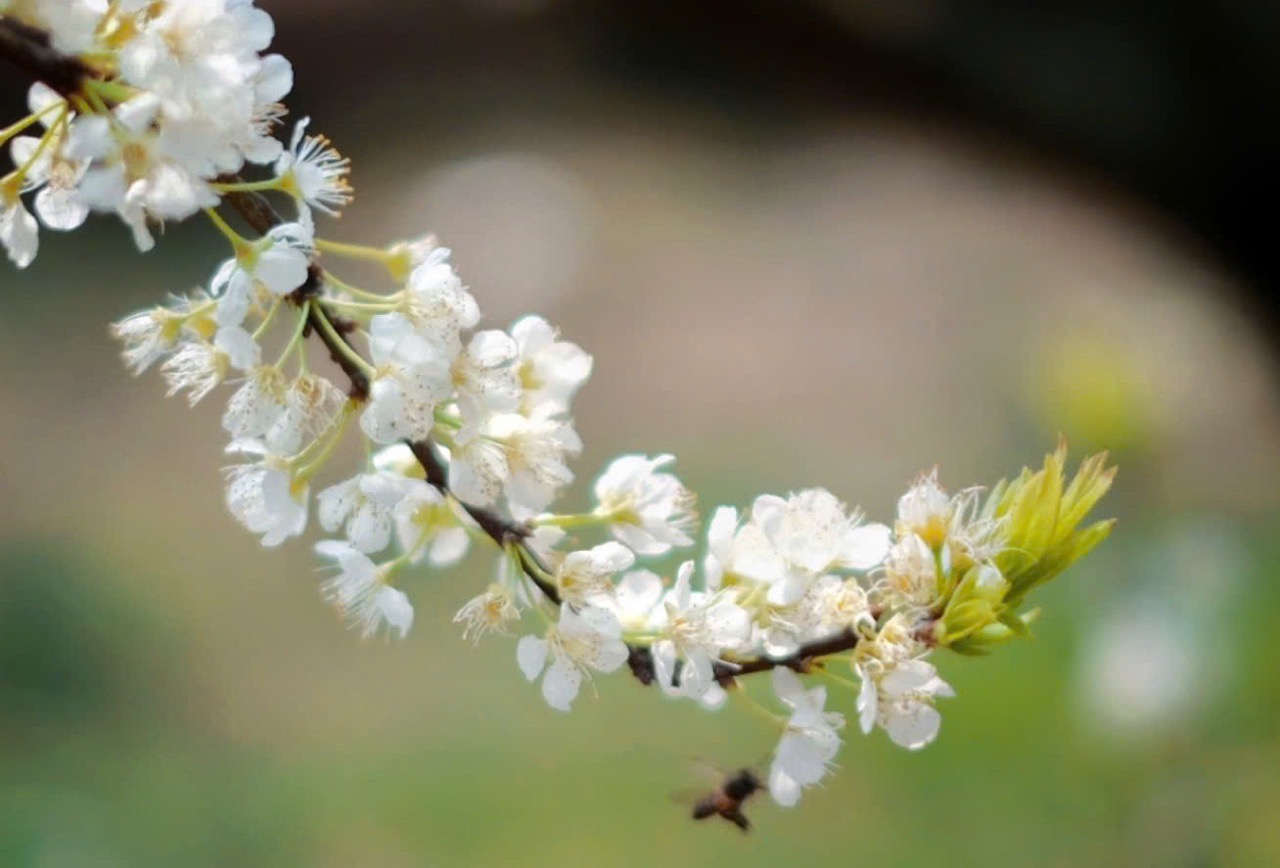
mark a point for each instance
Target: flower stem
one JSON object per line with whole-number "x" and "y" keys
{"x": 338, "y": 343}
{"x": 298, "y": 329}
{"x": 247, "y": 186}
{"x": 353, "y": 251}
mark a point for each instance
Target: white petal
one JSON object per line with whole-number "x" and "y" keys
{"x": 19, "y": 235}
{"x": 491, "y": 348}
{"x": 240, "y": 347}
{"x": 612, "y": 557}
{"x": 560, "y": 686}
{"x": 60, "y": 209}
{"x": 609, "y": 656}
{"x": 907, "y": 676}
{"x": 788, "y": 686}
{"x": 531, "y": 655}
{"x": 865, "y": 546}
{"x": 914, "y": 727}
{"x": 396, "y": 610}
{"x": 335, "y": 503}
{"x": 783, "y": 788}
{"x": 449, "y": 547}
{"x": 370, "y": 528}
{"x": 637, "y": 593}
{"x": 282, "y": 269}
{"x": 868, "y": 702}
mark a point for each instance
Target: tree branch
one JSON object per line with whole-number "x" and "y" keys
{"x": 29, "y": 49}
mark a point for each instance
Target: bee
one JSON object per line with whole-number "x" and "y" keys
{"x": 727, "y": 799}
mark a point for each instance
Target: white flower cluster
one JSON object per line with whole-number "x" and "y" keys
{"x": 468, "y": 433}
{"x": 179, "y": 94}
{"x": 793, "y": 574}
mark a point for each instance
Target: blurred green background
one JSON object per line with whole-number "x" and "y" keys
{"x": 785, "y": 291}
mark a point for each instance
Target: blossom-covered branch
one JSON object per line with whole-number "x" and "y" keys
{"x": 165, "y": 110}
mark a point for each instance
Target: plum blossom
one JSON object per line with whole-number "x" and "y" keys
{"x": 489, "y": 612}
{"x": 809, "y": 742}
{"x": 264, "y": 496}
{"x": 584, "y": 575}
{"x": 314, "y": 173}
{"x": 648, "y": 511}
{"x": 277, "y": 263}
{"x": 695, "y": 628}
{"x": 19, "y": 232}
{"x": 48, "y": 171}
{"x": 900, "y": 699}
{"x": 550, "y": 370}
{"x": 412, "y": 378}
{"x": 364, "y": 505}
{"x": 586, "y": 638}
{"x": 362, "y": 594}
{"x": 198, "y": 366}
{"x": 428, "y": 527}
{"x": 438, "y": 305}
{"x": 484, "y": 380}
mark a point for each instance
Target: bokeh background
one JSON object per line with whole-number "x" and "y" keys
{"x": 809, "y": 242}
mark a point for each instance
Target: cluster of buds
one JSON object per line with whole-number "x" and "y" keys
{"x": 150, "y": 109}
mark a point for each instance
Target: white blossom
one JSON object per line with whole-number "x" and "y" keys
{"x": 648, "y": 511}
{"x": 428, "y": 526}
{"x": 478, "y": 471}
{"x": 148, "y": 336}
{"x": 900, "y": 699}
{"x": 439, "y": 306}
{"x": 788, "y": 543}
{"x": 809, "y": 743}
{"x": 198, "y": 366}
{"x": 911, "y": 572}
{"x": 589, "y": 638}
{"x": 19, "y": 232}
{"x": 135, "y": 170}
{"x": 311, "y": 405}
{"x": 276, "y": 263}
{"x": 489, "y": 612}
{"x": 48, "y": 170}
{"x": 839, "y": 604}
{"x": 583, "y": 575}
{"x": 361, "y": 593}
{"x": 412, "y": 378}
{"x": 695, "y": 629}
{"x": 364, "y": 505}
{"x": 550, "y": 370}
{"x": 484, "y": 380}
{"x": 953, "y": 525}
{"x": 813, "y": 532}
{"x": 516, "y": 456}
{"x": 254, "y": 407}
{"x": 264, "y": 496}
{"x": 634, "y": 601}
{"x": 313, "y": 172}
{"x": 737, "y": 551}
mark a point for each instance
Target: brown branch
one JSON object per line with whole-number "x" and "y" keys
{"x": 30, "y": 50}
{"x": 800, "y": 661}
{"x": 501, "y": 530}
